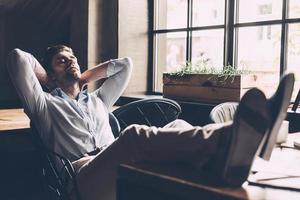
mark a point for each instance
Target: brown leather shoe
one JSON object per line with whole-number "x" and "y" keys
{"x": 242, "y": 140}
{"x": 278, "y": 105}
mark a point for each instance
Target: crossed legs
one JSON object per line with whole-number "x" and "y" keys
{"x": 230, "y": 147}
{"x": 176, "y": 141}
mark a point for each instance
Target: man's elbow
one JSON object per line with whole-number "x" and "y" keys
{"x": 128, "y": 63}
{"x": 15, "y": 56}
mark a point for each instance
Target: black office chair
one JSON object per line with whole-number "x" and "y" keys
{"x": 58, "y": 174}
{"x": 152, "y": 112}
{"x": 57, "y": 171}
{"x": 114, "y": 124}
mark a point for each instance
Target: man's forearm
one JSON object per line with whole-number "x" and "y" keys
{"x": 118, "y": 73}
{"x": 101, "y": 71}
{"x": 94, "y": 74}
{"x": 43, "y": 78}
{"x": 41, "y": 75}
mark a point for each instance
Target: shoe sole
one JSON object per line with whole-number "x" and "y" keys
{"x": 249, "y": 127}
{"x": 278, "y": 105}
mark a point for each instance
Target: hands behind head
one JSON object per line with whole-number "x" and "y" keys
{"x": 47, "y": 83}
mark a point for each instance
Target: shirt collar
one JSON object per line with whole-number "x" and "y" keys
{"x": 59, "y": 92}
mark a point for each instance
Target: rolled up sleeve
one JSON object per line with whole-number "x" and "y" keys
{"x": 118, "y": 72}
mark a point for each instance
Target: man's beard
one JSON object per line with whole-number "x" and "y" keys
{"x": 73, "y": 77}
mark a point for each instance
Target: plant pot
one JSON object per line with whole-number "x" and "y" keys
{"x": 213, "y": 88}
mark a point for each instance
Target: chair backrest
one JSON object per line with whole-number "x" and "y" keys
{"x": 152, "y": 112}
{"x": 57, "y": 171}
{"x": 114, "y": 124}
{"x": 223, "y": 112}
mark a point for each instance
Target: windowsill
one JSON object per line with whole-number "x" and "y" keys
{"x": 125, "y": 99}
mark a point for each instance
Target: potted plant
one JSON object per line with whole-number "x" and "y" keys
{"x": 200, "y": 82}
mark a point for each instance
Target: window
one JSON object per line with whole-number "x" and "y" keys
{"x": 260, "y": 35}
{"x": 186, "y": 30}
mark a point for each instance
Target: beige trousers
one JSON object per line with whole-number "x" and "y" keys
{"x": 177, "y": 140}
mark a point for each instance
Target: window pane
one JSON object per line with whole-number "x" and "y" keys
{"x": 258, "y": 50}
{"x": 259, "y": 47}
{"x": 208, "y": 12}
{"x": 170, "y": 54}
{"x": 171, "y": 14}
{"x": 294, "y": 9}
{"x": 208, "y": 46}
{"x": 258, "y": 10}
{"x": 293, "y": 58}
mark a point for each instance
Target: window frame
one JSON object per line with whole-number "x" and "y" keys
{"x": 230, "y": 28}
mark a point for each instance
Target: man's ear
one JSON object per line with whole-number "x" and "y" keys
{"x": 51, "y": 81}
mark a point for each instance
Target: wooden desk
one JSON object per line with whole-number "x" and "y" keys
{"x": 19, "y": 168}
{"x": 13, "y": 119}
{"x": 167, "y": 182}
{"x": 180, "y": 181}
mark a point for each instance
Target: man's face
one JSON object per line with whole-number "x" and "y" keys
{"x": 65, "y": 67}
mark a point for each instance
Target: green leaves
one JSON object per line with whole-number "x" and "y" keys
{"x": 204, "y": 68}
{"x": 227, "y": 73}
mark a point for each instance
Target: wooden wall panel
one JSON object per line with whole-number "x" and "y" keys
{"x": 102, "y": 33}
{"x": 33, "y": 25}
{"x": 133, "y": 41}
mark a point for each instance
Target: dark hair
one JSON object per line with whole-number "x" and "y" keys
{"x": 50, "y": 53}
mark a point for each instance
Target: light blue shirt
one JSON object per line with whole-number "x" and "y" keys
{"x": 67, "y": 126}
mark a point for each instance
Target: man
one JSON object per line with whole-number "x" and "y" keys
{"x": 75, "y": 123}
